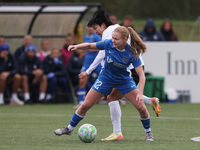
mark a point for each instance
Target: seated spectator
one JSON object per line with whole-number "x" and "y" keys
{"x": 21, "y": 50}
{"x": 74, "y": 66}
{"x": 168, "y": 31}
{"x": 32, "y": 74}
{"x": 69, "y": 40}
{"x": 113, "y": 19}
{"x": 128, "y": 21}
{"x": 55, "y": 70}
{"x": 44, "y": 50}
{"x": 2, "y": 39}
{"x": 149, "y": 33}
{"x": 9, "y": 75}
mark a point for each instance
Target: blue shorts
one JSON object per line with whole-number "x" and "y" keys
{"x": 105, "y": 87}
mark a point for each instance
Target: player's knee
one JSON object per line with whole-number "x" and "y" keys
{"x": 85, "y": 107}
{"x": 3, "y": 76}
{"x": 142, "y": 110}
{"x": 17, "y": 77}
{"x": 110, "y": 98}
{"x": 82, "y": 83}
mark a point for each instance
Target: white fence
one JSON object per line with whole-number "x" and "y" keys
{"x": 178, "y": 62}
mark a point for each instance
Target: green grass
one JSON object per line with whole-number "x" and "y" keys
{"x": 31, "y": 128}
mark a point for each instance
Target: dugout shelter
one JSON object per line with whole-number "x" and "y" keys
{"x": 51, "y": 21}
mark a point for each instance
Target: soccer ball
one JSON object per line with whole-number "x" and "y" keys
{"x": 87, "y": 133}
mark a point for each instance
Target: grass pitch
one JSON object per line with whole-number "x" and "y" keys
{"x": 31, "y": 128}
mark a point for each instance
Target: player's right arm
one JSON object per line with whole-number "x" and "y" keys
{"x": 83, "y": 46}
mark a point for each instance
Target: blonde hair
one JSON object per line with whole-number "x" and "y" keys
{"x": 136, "y": 46}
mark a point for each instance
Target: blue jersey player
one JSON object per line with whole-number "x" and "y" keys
{"x": 91, "y": 37}
{"x": 115, "y": 74}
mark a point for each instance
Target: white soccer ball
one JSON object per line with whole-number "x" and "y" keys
{"x": 87, "y": 133}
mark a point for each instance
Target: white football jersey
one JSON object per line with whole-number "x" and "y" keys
{"x": 107, "y": 34}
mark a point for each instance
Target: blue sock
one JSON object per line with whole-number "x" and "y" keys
{"x": 75, "y": 119}
{"x": 146, "y": 124}
{"x": 81, "y": 94}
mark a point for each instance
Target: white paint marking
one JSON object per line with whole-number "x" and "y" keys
{"x": 99, "y": 116}
{"x": 196, "y": 139}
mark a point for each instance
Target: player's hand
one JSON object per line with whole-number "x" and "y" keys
{"x": 37, "y": 72}
{"x": 139, "y": 98}
{"x": 72, "y": 48}
{"x": 82, "y": 75}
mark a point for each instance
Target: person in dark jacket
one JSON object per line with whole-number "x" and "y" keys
{"x": 32, "y": 73}
{"x": 74, "y": 66}
{"x": 168, "y": 31}
{"x": 55, "y": 70}
{"x": 9, "y": 75}
{"x": 21, "y": 50}
{"x": 150, "y": 33}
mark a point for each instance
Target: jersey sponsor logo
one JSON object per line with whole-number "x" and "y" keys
{"x": 119, "y": 65}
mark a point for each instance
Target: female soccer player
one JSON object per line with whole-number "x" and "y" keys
{"x": 115, "y": 74}
{"x": 91, "y": 37}
{"x": 102, "y": 26}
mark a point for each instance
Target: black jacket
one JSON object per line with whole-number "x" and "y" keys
{"x": 74, "y": 65}
{"x": 153, "y": 36}
{"x": 19, "y": 53}
{"x": 9, "y": 65}
{"x": 50, "y": 66}
{"x": 26, "y": 66}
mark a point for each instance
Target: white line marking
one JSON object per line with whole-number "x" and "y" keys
{"x": 99, "y": 116}
{"x": 196, "y": 139}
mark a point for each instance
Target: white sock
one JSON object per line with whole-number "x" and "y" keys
{"x": 42, "y": 96}
{"x": 115, "y": 113}
{"x": 147, "y": 130}
{"x": 81, "y": 102}
{"x": 26, "y": 96}
{"x": 70, "y": 127}
{"x": 1, "y": 96}
{"x": 14, "y": 96}
{"x": 147, "y": 100}
{"x": 48, "y": 96}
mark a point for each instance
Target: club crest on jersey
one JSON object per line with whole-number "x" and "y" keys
{"x": 124, "y": 59}
{"x": 109, "y": 60}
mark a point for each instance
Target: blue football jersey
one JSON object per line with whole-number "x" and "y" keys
{"x": 92, "y": 39}
{"x": 117, "y": 61}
